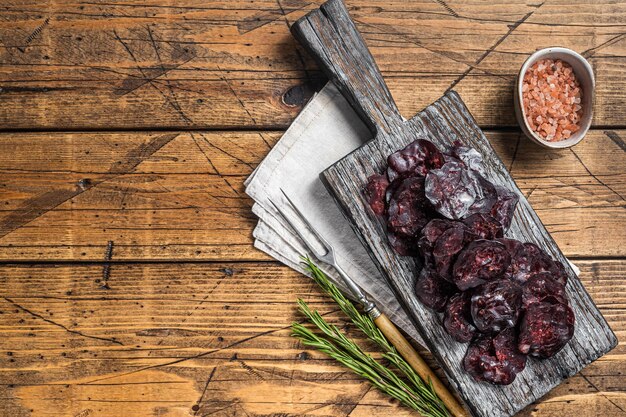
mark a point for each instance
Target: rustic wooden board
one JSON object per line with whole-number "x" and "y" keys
{"x": 334, "y": 41}
{"x": 204, "y": 64}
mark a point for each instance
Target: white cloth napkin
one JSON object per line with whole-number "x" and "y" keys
{"x": 326, "y": 130}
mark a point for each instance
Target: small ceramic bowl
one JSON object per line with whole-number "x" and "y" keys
{"x": 584, "y": 74}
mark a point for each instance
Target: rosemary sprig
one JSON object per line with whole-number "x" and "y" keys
{"x": 415, "y": 393}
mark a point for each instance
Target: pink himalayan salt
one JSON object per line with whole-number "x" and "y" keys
{"x": 552, "y": 99}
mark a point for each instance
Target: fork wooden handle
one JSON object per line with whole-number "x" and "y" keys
{"x": 417, "y": 363}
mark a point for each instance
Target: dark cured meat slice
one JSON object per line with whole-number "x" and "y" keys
{"x": 483, "y": 226}
{"x": 431, "y": 290}
{"x": 519, "y": 270}
{"x": 540, "y": 261}
{"x": 511, "y": 245}
{"x": 457, "y": 318}
{"x": 449, "y": 244}
{"x": 375, "y": 193}
{"x": 407, "y": 208}
{"x": 505, "y": 205}
{"x": 429, "y": 235}
{"x": 481, "y": 261}
{"x": 527, "y": 259}
{"x": 416, "y": 159}
{"x": 496, "y": 305}
{"x": 470, "y": 157}
{"x": 486, "y": 196}
{"x": 456, "y": 192}
{"x": 545, "y": 329}
{"x": 543, "y": 287}
{"x": 402, "y": 245}
{"x": 450, "y": 190}
{"x": 391, "y": 189}
{"x": 494, "y": 360}
{"x": 466, "y": 251}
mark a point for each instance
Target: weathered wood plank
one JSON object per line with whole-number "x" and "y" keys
{"x": 184, "y": 325}
{"x": 332, "y": 38}
{"x": 207, "y": 64}
{"x": 186, "y": 200}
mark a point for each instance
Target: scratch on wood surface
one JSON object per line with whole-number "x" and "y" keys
{"x": 591, "y": 51}
{"x": 251, "y": 370}
{"x": 519, "y": 139}
{"x": 167, "y": 81}
{"x": 170, "y": 100}
{"x": 84, "y": 413}
{"x": 54, "y": 323}
{"x": 595, "y": 177}
{"x": 390, "y": 29}
{"x": 35, "y": 207}
{"x": 448, "y": 8}
{"x": 260, "y": 19}
{"x": 232, "y": 90}
{"x": 602, "y": 393}
{"x": 196, "y": 406}
{"x": 33, "y": 35}
{"x": 617, "y": 139}
{"x": 356, "y": 401}
{"x": 211, "y": 163}
{"x": 106, "y": 269}
{"x": 203, "y": 354}
{"x": 485, "y": 54}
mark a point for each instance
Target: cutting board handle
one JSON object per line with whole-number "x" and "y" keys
{"x": 332, "y": 38}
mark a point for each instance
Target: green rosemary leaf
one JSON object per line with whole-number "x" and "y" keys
{"x": 414, "y": 392}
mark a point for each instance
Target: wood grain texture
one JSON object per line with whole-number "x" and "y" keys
{"x": 196, "y": 339}
{"x": 179, "y": 202}
{"x": 330, "y": 35}
{"x": 215, "y": 336}
{"x": 209, "y": 64}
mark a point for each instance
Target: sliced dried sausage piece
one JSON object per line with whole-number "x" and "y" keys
{"x": 404, "y": 246}
{"x": 457, "y": 192}
{"x": 496, "y": 305}
{"x": 542, "y": 287}
{"x": 391, "y": 189}
{"x": 481, "y": 261}
{"x": 432, "y": 290}
{"x": 470, "y": 157}
{"x": 457, "y": 318}
{"x": 505, "y": 205}
{"x": 483, "y": 226}
{"x": 545, "y": 329}
{"x": 448, "y": 245}
{"x": 494, "y": 359}
{"x": 450, "y": 190}
{"x": 416, "y": 159}
{"x": 407, "y": 208}
{"x": 528, "y": 260}
{"x": 512, "y": 245}
{"x": 429, "y": 235}
{"x": 540, "y": 261}
{"x": 375, "y": 193}
{"x": 505, "y": 345}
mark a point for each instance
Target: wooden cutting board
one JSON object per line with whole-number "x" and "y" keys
{"x": 332, "y": 38}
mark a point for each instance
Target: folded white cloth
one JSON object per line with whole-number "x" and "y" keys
{"x": 326, "y": 130}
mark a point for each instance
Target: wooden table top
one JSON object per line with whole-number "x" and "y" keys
{"x": 128, "y": 128}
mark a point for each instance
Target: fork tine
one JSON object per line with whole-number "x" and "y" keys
{"x": 306, "y": 242}
{"x": 304, "y": 220}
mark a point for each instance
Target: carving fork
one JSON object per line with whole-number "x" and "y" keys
{"x": 381, "y": 320}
